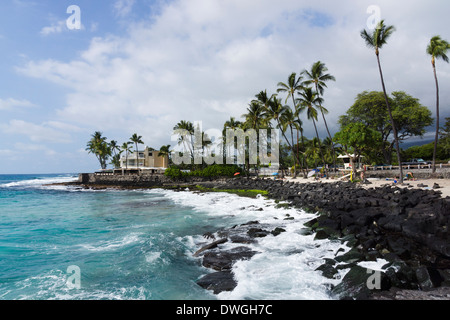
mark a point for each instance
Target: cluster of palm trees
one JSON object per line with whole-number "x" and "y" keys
{"x": 104, "y": 150}
{"x": 305, "y": 93}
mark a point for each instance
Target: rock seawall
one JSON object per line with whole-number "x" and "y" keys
{"x": 406, "y": 227}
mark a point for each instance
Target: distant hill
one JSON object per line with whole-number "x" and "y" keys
{"x": 410, "y": 143}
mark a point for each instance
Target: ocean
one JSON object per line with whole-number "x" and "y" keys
{"x": 68, "y": 243}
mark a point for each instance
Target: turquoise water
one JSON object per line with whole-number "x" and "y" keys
{"x": 139, "y": 244}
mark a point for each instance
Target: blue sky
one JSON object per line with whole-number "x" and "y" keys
{"x": 141, "y": 66}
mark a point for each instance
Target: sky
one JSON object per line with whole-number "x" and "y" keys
{"x": 70, "y": 68}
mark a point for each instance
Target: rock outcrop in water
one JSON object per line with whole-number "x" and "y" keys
{"x": 406, "y": 227}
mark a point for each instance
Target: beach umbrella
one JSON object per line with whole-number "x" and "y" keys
{"x": 275, "y": 173}
{"x": 312, "y": 172}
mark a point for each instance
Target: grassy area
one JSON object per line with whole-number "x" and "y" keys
{"x": 239, "y": 192}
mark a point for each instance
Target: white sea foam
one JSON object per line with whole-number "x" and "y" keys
{"x": 39, "y": 182}
{"x": 152, "y": 257}
{"x": 113, "y": 244}
{"x": 284, "y": 267}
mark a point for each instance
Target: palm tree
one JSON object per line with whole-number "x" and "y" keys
{"x": 290, "y": 119}
{"x": 293, "y": 85}
{"x": 126, "y": 148}
{"x": 164, "y": 152}
{"x": 136, "y": 140}
{"x": 376, "y": 41}
{"x": 182, "y": 128}
{"x": 437, "y": 49}
{"x": 98, "y": 146}
{"x": 255, "y": 118}
{"x": 309, "y": 100}
{"x": 319, "y": 77}
{"x": 116, "y": 158}
{"x": 231, "y": 124}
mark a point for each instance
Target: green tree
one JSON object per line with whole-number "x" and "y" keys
{"x": 136, "y": 139}
{"x": 289, "y": 119}
{"x": 125, "y": 147}
{"x": 115, "y": 161}
{"x": 437, "y": 49}
{"x": 309, "y": 101}
{"x": 100, "y": 148}
{"x": 164, "y": 152}
{"x": 293, "y": 85}
{"x": 410, "y": 117}
{"x": 185, "y": 129}
{"x": 445, "y": 139}
{"x": 318, "y": 77}
{"x": 255, "y": 118}
{"x": 356, "y": 139}
{"x": 231, "y": 124}
{"x": 376, "y": 41}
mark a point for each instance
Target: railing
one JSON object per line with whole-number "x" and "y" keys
{"x": 408, "y": 167}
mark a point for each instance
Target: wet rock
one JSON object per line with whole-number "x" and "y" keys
{"x": 218, "y": 281}
{"x": 257, "y": 232}
{"x": 353, "y": 285}
{"x": 224, "y": 259}
{"x": 275, "y": 232}
{"x": 210, "y": 246}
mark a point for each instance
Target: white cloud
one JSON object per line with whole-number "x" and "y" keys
{"x": 205, "y": 60}
{"x": 11, "y": 103}
{"x": 123, "y": 7}
{"x": 36, "y": 132}
{"x": 57, "y": 27}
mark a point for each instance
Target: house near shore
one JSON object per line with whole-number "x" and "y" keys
{"x": 148, "y": 160}
{"x": 355, "y": 159}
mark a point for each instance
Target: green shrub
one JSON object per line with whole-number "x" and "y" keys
{"x": 174, "y": 173}
{"x": 216, "y": 170}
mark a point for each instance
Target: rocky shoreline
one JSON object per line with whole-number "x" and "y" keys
{"x": 406, "y": 228}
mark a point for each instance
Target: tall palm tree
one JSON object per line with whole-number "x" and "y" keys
{"x": 114, "y": 149}
{"x": 292, "y": 86}
{"x": 309, "y": 100}
{"x": 136, "y": 139}
{"x": 376, "y": 41}
{"x": 256, "y": 116}
{"x": 98, "y": 146}
{"x": 318, "y": 76}
{"x": 182, "y": 127}
{"x": 126, "y": 148}
{"x": 231, "y": 124}
{"x": 437, "y": 49}
{"x": 290, "y": 119}
{"x": 164, "y": 152}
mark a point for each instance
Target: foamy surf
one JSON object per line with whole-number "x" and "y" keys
{"x": 284, "y": 267}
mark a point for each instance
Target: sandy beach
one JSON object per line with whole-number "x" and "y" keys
{"x": 426, "y": 184}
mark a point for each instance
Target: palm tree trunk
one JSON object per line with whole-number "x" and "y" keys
{"x": 318, "y": 141}
{"x": 328, "y": 131}
{"x": 394, "y": 129}
{"x": 436, "y": 138}
{"x": 137, "y": 157}
{"x": 293, "y": 152}
{"x": 287, "y": 140}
